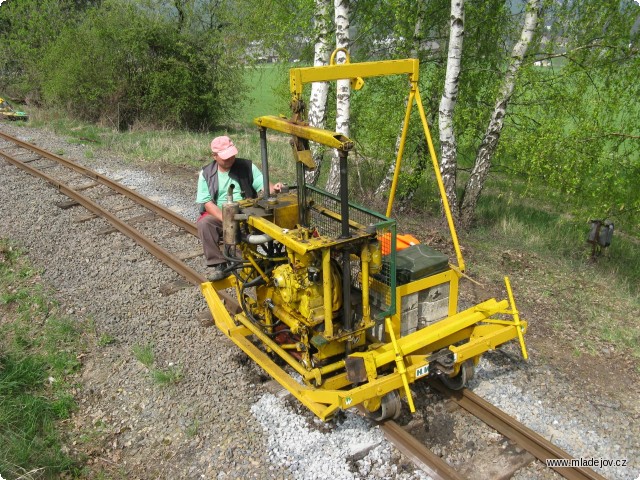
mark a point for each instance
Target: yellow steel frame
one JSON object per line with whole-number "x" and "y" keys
{"x": 289, "y": 238}
{"x": 355, "y": 72}
{"x": 410, "y": 352}
{"x": 319, "y": 135}
{"x": 400, "y": 361}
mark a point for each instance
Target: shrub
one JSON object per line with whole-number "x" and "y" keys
{"x": 122, "y": 66}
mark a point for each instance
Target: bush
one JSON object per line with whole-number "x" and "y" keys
{"x": 122, "y": 66}
{"x": 26, "y": 28}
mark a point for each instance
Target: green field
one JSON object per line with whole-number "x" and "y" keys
{"x": 268, "y": 92}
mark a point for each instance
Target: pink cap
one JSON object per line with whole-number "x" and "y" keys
{"x": 223, "y": 147}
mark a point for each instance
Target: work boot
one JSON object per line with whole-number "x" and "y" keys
{"x": 218, "y": 272}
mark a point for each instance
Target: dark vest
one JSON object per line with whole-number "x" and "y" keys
{"x": 241, "y": 171}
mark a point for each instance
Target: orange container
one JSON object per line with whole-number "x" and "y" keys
{"x": 402, "y": 242}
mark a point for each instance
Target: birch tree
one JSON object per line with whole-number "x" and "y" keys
{"x": 576, "y": 127}
{"x": 343, "y": 90}
{"x": 319, "y": 90}
{"x": 448, "y": 144}
{"x": 487, "y": 148}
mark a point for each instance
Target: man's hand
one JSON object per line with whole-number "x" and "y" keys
{"x": 277, "y": 188}
{"x": 213, "y": 209}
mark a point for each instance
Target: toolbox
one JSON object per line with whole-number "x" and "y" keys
{"x": 419, "y": 261}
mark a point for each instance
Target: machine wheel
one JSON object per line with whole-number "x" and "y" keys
{"x": 390, "y": 407}
{"x": 458, "y": 382}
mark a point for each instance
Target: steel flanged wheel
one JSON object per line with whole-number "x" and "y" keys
{"x": 458, "y": 382}
{"x": 390, "y": 407}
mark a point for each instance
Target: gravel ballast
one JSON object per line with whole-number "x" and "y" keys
{"x": 218, "y": 420}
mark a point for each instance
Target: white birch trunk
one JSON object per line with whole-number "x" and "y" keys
{"x": 448, "y": 143}
{"x": 415, "y": 50}
{"x": 343, "y": 93}
{"x": 319, "y": 90}
{"x": 489, "y": 143}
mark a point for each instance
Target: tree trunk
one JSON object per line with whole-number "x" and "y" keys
{"x": 489, "y": 143}
{"x": 185, "y": 13}
{"x": 448, "y": 143}
{"x": 319, "y": 90}
{"x": 415, "y": 51}
{"x": 343, "y": 91}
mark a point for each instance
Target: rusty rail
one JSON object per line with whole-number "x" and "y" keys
{"x": 419, "y": 453}
{"x": 538, "y": 446}
{"x": 167, "y": 214}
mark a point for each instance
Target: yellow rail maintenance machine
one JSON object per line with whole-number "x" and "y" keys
{"x": 329, "y": 307}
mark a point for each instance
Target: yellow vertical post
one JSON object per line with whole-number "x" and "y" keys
{"x": 403, "y": 138}
{"x": 327, "y": 287}
{"x": 365, "y": 257}
{"x": 516, "y": 319}
{"x": 443, "y": 193}
{"x": 402, "y": 370}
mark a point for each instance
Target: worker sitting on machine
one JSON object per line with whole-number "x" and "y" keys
{"x": 213, "y": 184}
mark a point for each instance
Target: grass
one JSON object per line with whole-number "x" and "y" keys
{"x": 549, "y": 233}
{"x": 591, "y": 304}
{"x": 106, "y": 339}
{"x": 192, "y": 430}
{"x": 163, "y": 377}
{"x": 168, "y": 147}
{"x": 167, "y": 376}
{"x": 38, "y": 356}
{"x": 269, "y": 96}
{"x": 268, "y": 92}
{"x": 144, "y": 354}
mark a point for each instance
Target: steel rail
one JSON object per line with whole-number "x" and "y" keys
{"x": 419, "y": 453}
{"x": 165, "y": 213}
{"x": 156, "y": 250}
{"x": 537, "y": 445}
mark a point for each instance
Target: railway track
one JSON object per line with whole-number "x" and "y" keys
{"x": 76, "y": 181}
{"x": 509, "y": 427}
{"x": 68, "y": 173}
{"x": 89, "y": 189}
